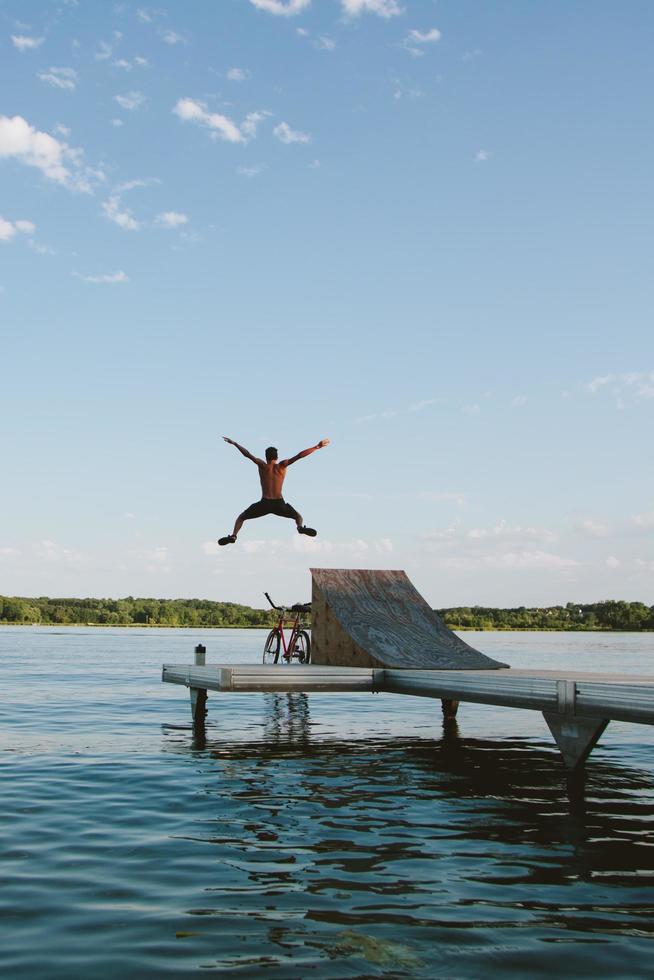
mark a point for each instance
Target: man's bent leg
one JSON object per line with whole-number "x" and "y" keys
{"x": 299, "y": 522}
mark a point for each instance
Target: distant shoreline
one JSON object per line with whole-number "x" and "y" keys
{"x": 457, "y": 629}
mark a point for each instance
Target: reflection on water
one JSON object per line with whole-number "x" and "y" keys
{"x": 401, "y": 843}
{"x": 306, "y": 835}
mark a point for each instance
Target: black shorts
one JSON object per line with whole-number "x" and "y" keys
{"x": 268, "y": 505}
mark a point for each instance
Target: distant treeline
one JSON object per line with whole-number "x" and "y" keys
{"x": 130, "y": 612}
{"x": 608, "y": 615}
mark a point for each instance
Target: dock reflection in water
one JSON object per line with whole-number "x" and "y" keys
{"x": 416, "y": 855}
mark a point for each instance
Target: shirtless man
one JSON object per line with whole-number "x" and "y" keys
{"x": 272, "y": 473}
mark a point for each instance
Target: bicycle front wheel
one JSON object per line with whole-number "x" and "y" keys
{"x": 271, "y": 649}
{"x": 302, "y": 648}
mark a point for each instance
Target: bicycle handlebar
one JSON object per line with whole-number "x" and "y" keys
{"x": 304, "y": 607}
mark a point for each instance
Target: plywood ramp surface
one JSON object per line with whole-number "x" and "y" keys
{"x": 376, "y": 618}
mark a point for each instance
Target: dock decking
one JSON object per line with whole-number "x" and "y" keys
{"x": 577, "y": 706}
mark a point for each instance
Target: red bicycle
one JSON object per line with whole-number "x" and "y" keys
{"x": 298, "y": 646}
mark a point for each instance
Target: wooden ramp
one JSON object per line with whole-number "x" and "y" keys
{"x": 374, "y": 618}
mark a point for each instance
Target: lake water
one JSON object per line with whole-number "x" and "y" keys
{"x": 325, "y": 836}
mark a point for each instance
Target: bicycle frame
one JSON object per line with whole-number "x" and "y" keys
{"x": 287, "y": 647}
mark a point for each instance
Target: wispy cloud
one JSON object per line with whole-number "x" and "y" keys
{"x": 481, "y": 156}
{"x": 9, "y": 229}
{"x": 519, "y": 401}
{"x": 55, "y": 159}
{"x": 130, "y": 101}
{"x": 65, "y": 78}
{"x": 415, "y": 41}
{"x": 22, "y": 42}
{"x": 109, "y": 278}
{"x": 383, "y": 8}
{"x": 285, "y": 134}
{"x": 221, "y": 127}
{"x": 115, "y": 211}
{"x": 238, "y": 74}
{"x": 171, "y": 219}
{"x": 638, "y": 384}
{"x": 281, "y": 8}
{"x": 172, "y": 37}
{"x": 250, "y": 171}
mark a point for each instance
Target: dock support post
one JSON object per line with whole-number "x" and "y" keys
{"x": 450, "y": 707}
{"x": 575, "y": 736}
{"x": 199, "y": 694}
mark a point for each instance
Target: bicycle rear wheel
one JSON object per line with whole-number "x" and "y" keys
{"x": 302, "y": 648}
{"x": 271, "y": 649}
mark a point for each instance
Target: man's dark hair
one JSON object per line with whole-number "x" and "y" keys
{"x": 271, "y": 453}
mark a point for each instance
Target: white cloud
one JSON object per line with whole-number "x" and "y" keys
{"x": 383, "y": 8}
{"x": 220, "y": 126}
{"x": 41, "y": 249}
{"x": 481, "y": 156}
{"x": 238, "y": 74}
{"x": 425, "y": 37}
{"x": 56, "y": 160}
{"x": 9, "y": 229}
{"x": 51, "y": 552}
{"x": 130, "y": 101}
{"x": 595, "y": 530}
{"x": 172, "y": 37}
{"x": 104, "y": 51}
{"x": 114, "y": 209}
{"x": 473, "y": 409}
{"x": 122, "y": 63}
{"x": 640, "y": 384}
{"x": 121, "y": 216}
{"x": 24, "y": 43}
{"x": 644, "y": 520}
{"x": 518, "y": 401}
{"x": 252, "y": 171}
{"x": 325, "y": 44}
{"x": 613, "y": 562}
{"x": 109, "y": 277}
{"x": 141, "y": 62}
{"x": 116, "y": 122}
{"x": 9, "y": 552}
{"x": 281, "y": 8}
{"x": 425, "y": 403}
{"x": 145, "y": 16}
{"x": 65, "y": 78}
{"x": 285, "y": 134}
{"x": 171, "y": 219}
{"x": 62, "y": 130}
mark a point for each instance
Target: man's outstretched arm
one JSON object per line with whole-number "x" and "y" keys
{"x": 305, "y": 452}
{"x": 243, "y": 451}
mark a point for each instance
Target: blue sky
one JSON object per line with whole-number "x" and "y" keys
{"x": 423, "y": 230}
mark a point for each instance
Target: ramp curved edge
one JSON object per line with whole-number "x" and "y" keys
{"x": 377, "y": 618}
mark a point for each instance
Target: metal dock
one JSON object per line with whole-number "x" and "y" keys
{"x": 577, "y": 706}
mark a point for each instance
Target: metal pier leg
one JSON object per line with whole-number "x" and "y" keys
{"x": 450, "y": 707}
{"x": 199, "y": 694}
{"x": 198, "y": 707}
{"x": 575, "y": 736}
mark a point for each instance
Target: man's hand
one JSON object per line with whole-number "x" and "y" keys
{"x": 230, "y": 441}
{"x": 323, "y": 443}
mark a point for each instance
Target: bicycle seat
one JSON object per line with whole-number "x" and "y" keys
{"x": 302, "y": 607}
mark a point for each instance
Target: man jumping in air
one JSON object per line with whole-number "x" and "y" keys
{"x": 272, "y": 473}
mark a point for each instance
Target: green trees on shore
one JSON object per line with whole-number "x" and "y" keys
{"x": 129, "y": 612}
{"x": 608, "y": 615}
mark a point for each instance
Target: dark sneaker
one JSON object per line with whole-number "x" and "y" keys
{"x": 228, "y": 539}
{"x": 307, "y": 530}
